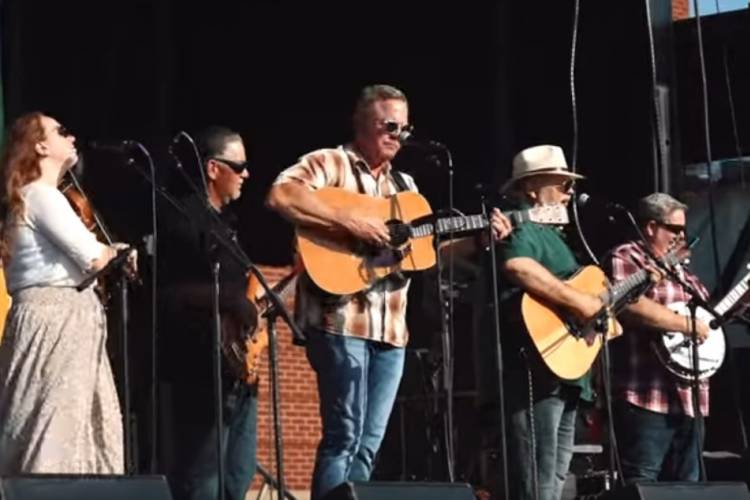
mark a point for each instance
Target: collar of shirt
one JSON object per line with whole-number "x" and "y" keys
{"x": 358, "y": 160}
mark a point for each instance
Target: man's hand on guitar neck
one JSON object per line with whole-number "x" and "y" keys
{"x": 500, "y": 224}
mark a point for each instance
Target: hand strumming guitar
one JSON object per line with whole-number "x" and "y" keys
{"x": 364, "y": 227}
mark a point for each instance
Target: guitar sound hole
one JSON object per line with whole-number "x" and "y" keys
{"x": 398, "y": 231}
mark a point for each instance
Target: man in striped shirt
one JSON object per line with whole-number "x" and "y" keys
{"x": 355, "y": 343}
{"x": 653, "y": 412}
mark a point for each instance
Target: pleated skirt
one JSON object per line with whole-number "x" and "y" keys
{"x": 59, "y": 411}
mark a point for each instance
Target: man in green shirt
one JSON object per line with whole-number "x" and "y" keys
{"x": 536, "y": 259}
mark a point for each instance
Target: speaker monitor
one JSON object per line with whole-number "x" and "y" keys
{"x": 386, "y": 490}
{"x": 680, "y": 491}
{"x": 83, "y": 487}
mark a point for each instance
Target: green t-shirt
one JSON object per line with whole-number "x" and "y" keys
{"x": 546, "y": 245}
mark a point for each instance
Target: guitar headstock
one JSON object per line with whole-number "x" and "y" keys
{"x": 549, "y": 214}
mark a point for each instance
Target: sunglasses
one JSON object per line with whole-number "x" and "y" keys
{"x": 395, "y": 128}
{"x": 237, "y": 167}
{"x": 63, "y": 132}
{"x": 566, "y": 186}
{"x": 672, "y": 228}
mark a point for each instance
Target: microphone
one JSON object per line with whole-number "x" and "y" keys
{"x": 585, "y": 200}
{"x": 119, "y": 147}
{"x": 405, "y": 139}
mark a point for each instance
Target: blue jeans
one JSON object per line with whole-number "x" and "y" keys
{"x": 190, "y": 436}
{"x": 654, "y": 446}
{"x": 357, "y": 384}
{"x": 554, "y": 430}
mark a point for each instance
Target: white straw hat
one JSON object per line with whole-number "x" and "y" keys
{"x": 537, "y": 160}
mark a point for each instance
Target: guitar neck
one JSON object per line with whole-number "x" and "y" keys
{"x": 622, "y": 289}
{"x": 733, "y": 296}
{"x": 465, "y": 223}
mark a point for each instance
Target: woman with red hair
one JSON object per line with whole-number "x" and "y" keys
{"x": 59, "y": 411}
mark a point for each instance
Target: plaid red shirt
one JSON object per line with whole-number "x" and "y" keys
{"x": 638, "y": 376}
{"x": 378, "y": 313}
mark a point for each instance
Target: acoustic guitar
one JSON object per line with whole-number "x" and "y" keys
{"x": 243, "y": 352}
{"x": 341, "y": 264}
{"x": 4, "y": 303}
{"x": 569, "y": 346}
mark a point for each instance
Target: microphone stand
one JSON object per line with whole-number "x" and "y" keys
{"x": 498, "y": 352}
{"x": 446, "y": 302}
{"x": 123, "y": 148}
{"x": 696, "y": 300}
{"x": 222, "y": 239}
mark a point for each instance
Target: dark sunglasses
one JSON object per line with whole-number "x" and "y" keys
{"x": 395, "y": 128}
{"x": 672, "y": 228}
{"x": 63, "y": 131}
{"x": 236, "y": 167}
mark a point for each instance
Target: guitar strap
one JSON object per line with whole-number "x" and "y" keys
{"x": 399, "y": 181}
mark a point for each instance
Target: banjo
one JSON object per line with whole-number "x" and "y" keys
{"x": 674, "y": 349}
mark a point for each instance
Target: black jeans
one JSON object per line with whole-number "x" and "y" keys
{"x": 189, "y": 440}
{"x": 654, "y": 446}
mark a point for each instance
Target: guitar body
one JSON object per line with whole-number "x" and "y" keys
{"x": 341, "y": 265}
{"x": 566, "y": 352}
{"x": 4, "y": 303}
{"x": 243, "y": 351}
{"x": 255, "y": 344}
{"x": 674, "y": 349}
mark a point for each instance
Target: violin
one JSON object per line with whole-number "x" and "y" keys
{"x": 81, "y": 204}
{"x": 71, "y": 188}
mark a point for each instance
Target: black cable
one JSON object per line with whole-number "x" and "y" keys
{"x": 709, "y": 156}
{"x": 735, "y": 378}
{"x": 661, "y": 161}
{"x": 614, "y": 455}
{"x": 733, "y": 117}
{"x": 574, "y": 112}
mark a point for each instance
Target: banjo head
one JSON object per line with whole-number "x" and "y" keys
{"x": 674, "y": 349}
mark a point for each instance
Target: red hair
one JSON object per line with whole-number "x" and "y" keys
{"x": 19, "y": 165}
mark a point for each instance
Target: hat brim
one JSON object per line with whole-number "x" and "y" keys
{"x": 551, "y": 171}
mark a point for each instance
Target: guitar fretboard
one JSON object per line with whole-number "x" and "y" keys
{"x": 622, "y": 288}
{"x": 462, "y": 223}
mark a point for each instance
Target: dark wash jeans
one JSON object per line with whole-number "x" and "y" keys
{"x": 357, "y": 385}
{"x": 189, "y": 440}
{"x": 554, "y": 414}
{"x": 654, "y": 446}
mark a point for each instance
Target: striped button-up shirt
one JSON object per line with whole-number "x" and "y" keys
{"x": 638, "y": 376}
{"x": 379, "y": 313}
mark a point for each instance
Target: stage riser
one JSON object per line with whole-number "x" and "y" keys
{"x": 681, "y": 491}
{"x": 402, "y": 490}
{"x": 73, "y": 487}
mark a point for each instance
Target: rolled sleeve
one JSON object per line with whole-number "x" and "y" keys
{"x": 316, "y": 170}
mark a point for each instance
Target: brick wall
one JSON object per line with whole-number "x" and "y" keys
{"x": 299, "y": 407}
{"x": 680, "y": 9}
